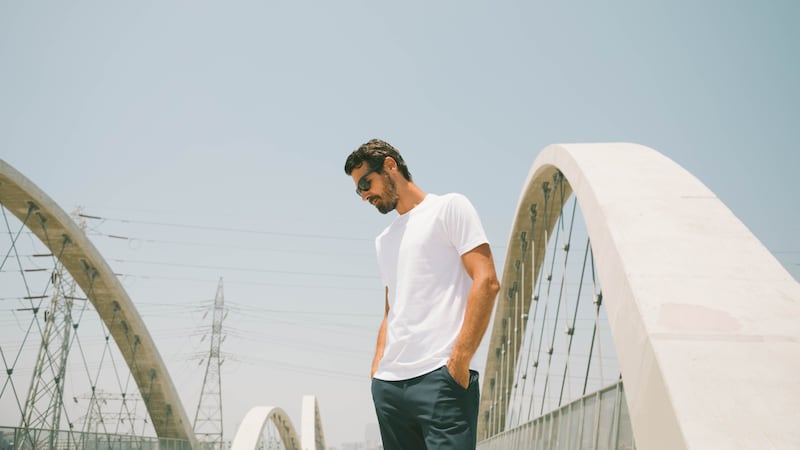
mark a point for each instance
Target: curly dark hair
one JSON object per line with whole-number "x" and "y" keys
{"x": 374, "y": 153}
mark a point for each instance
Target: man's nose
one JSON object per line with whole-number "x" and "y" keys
{"x": 365, "y": 195}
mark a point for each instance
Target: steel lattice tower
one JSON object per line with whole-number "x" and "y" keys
{"x": 208, "y": 419}
{"x": 43, "y": 406}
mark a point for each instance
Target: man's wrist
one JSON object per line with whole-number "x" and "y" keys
{"x": 460, "y": 358}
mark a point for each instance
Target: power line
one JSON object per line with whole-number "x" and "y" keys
{"x": 240, "y": 269}
{"x": 272, "y": 364}
{"x": 244, "y": 282}
{"x": 226, "y": 229}
{"x": 237, "y": 307}
{"x": 133, "y": 239}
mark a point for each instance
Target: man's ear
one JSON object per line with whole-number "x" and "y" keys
{"x": 389, "y": 163}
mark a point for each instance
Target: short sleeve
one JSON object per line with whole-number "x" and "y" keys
{"x": 462, "y": 224}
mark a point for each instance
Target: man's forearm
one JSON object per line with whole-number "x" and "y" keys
{"x": 476, "y": 320}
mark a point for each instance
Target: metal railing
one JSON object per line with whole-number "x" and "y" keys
{"x": 15, "y": 438}
{"x": 598, "y": 421}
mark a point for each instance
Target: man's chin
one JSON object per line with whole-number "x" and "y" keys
{"x": 385, "y": 208}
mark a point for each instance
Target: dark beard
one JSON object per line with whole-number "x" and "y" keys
{"x": 388, "y": 199}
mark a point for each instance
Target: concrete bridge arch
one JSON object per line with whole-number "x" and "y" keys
{"x": 42, "y": 216}
{"x": 704, "y": 318}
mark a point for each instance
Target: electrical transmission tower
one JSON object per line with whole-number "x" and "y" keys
{"x": 108, "y": 412}
{"x": 41, "y": 416}
{"x": 208, "y": 419}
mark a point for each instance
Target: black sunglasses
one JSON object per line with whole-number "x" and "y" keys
{"x": 363, "y": 183}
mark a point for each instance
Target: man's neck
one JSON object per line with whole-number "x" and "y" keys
{"x": 410, "y": 196}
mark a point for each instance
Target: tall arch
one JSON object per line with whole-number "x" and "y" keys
{"x": 703, "y": 317}
{"x": 312, "y": 437}
{"x": 248, "y": 435}
{"x": 92, "y": 273}
{"x": 249, "y": 432}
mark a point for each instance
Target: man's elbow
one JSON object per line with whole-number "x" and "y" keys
{"x": 492, "y": 286}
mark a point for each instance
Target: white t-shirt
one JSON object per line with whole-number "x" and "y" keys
{"x": 419, "y": 256}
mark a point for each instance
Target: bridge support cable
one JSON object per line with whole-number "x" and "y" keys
{"x": 549, "y": 371}
{"x": 556, "y": 324}
{"x": 571, "y": 330}
{"x": 527, "y": 301}
{"x": 555, "y": 361}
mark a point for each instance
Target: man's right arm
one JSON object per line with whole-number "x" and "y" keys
{"x": 381, "y": 338}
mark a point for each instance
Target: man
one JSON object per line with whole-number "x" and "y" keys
{"x": 440, "y": 285}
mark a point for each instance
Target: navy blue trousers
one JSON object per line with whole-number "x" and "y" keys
{"x": 428, "y": 412}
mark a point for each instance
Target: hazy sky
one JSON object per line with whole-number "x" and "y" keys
{"x": 213, "y": 135}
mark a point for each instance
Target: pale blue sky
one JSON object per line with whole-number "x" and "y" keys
{"x": 239, "y": 115}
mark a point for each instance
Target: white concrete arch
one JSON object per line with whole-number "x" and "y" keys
{"x": 24, "y": 199}
{"x": 312, "y": 437}
{"x": 249, "y": 432}
{"x": 704, "y": 318}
